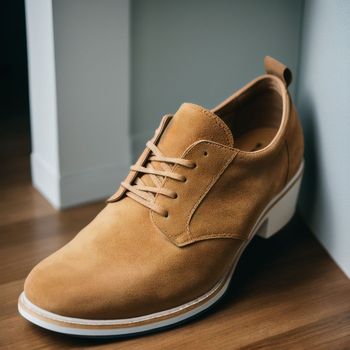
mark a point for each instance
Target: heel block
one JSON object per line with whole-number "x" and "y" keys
{"x": 281, "y": 209}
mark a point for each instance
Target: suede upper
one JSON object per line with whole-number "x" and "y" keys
{"x": 132, "y": 261}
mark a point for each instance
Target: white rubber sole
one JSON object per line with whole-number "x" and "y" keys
{"x": 275, "y": 216}
{"x": 281, "y": 209}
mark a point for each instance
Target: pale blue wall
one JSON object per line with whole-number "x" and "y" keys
{"x": 324, "y": 105}
{"x": 201, "y": 51}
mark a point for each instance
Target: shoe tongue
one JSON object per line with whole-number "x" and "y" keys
{"x": 192, "y": 123}
{"x": 189, "y": 124}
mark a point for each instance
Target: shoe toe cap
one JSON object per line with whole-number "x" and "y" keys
{"x": 46, "y": 288}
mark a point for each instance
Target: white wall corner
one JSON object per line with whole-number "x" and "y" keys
{"x": 92, "y": 184}
{"x": 324, "y": 104}
{"x": 45, "y": 179}
{"x": 78, "y": 62}
{"x": 42, "y": 93}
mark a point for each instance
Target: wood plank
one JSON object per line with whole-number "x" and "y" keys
{"x": 286, "y": 293}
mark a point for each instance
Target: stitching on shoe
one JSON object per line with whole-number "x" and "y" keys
{"x": 174, "y": 237}
{"x": 272, "y": 203}
{"x": 217, "y": 121}
{"x": 207, "y": 190}
{"x": 153, "y": 316}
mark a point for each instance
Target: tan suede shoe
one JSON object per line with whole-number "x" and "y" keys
{"x": 166, "y": 245}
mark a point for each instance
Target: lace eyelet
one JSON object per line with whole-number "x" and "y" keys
{"x": 175, "y": 196}
{"x": 205, "y": 153}
{"x": 166, "y": 214}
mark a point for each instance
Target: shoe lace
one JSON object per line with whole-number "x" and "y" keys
{"x": 146, "y": 195}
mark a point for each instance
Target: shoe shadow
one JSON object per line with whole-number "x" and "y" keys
{"x": 273, "y": 266}
{"x": 311, "y": 181}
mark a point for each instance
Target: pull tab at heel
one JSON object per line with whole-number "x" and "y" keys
{"x": 277, "y": 68}
{"x": 281, "y": 212}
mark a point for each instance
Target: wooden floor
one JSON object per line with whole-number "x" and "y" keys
{"x": 286, "y": 294}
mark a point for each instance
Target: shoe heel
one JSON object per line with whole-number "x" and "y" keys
{"x": 281, "y": 212}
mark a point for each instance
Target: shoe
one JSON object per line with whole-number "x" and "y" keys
{"x": 167, "y": 243}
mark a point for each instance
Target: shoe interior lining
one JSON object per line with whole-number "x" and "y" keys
{"x": 254, "y": 116}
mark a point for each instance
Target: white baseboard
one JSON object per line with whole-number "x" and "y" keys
{"x": 45, "y": 179}
{"x": 67, "y": 190}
